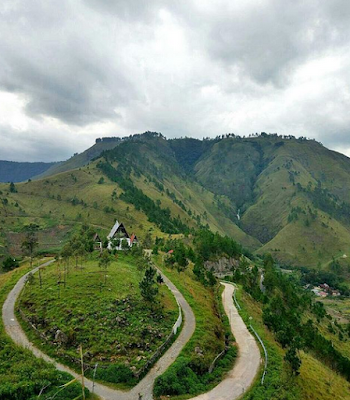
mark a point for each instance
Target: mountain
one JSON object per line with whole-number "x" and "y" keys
{"x": 81, "y": 159}
{"x": 283, "y": 195}
{"x": 11, "y": 171}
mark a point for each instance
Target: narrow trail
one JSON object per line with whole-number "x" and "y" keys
{"x": 237, "y": 381}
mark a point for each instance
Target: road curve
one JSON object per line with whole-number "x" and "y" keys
{"x": 247, "y": 364}
{"x": 236, "y": 382}
{"x": 145, "y": 386}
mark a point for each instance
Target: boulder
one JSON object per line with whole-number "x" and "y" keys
{"x": 60, "y": 337}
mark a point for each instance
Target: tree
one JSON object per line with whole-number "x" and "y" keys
{"x": 12, "y": 188}
{"x": 31, "y": 241}
{"x": 147, "y": 243}
{"x": 148, "y": 286}
{"x": 104, "y": 261}
{"x": 9, "y": 264}
{"x": 293, "y": 359}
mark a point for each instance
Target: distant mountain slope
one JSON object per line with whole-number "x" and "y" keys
{"x": 79, "y": 160}
{"x": 11, "y": 171}
{"x": 273, "y": 194}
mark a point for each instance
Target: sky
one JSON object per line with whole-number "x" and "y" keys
{"x": 75, "y": 70}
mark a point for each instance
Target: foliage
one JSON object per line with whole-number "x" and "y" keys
{"x": 148, "y": 287}
{"x": 116, "y": 373}
{"x": 189, "y": 373}
{"x": 135, "y": 196}
{"x": 9, "y": 264}
{"x": 31, "y": 240}
{"x": 209, "y": 244}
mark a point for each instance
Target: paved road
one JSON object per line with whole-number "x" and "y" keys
{"x": 238, "y": 380}
{"x": 246, "y": 367}
{"x": 145, "y": 387}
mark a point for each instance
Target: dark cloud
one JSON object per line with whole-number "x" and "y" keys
{"x": 63, "y": 74}
{"x": 198, "y": 68}
{"x": 269, "y": 41}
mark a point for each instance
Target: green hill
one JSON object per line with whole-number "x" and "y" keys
{"x": 275, "y": 194}
{"x": 79, "y": 160}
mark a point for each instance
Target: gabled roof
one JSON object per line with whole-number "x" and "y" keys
{"x": 113, "y": 230}
{"x": 96, "y": 238}
{"x": 117, "y": 226}
{"x": 133, "y": 238}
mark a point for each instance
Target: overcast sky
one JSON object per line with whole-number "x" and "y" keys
{"x": 74, "y": 70}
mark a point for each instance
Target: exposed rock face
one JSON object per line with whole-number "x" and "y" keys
{"x": 221, "y": 267}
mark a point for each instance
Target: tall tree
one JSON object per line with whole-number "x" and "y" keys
{"x": 31, "y": 241}
{"x": 148, "y": 285}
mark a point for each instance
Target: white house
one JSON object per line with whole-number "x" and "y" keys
{"x": 118, "y": 235}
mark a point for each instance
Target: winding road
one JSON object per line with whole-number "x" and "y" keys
{"x": 237, "y": 381}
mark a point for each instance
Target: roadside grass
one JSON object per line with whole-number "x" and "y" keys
{"x": 188, "y": 375}
{"x": 315, "y": 382}
{"x": 277, "y": 384}
{"x": 318, "y": 382}
{"x": 22, "y": 375}
{"x": 101, "y": 310}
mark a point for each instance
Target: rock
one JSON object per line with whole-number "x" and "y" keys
{"x": 221, "y": 267}
{"x": 198, "y": 351}
{"x": 60, "y": 337}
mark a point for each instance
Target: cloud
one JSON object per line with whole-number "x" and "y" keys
{"x": 71, "y": 70}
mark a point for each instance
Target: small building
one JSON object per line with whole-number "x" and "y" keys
{"x": 118, "y": 237}
{"x": 97, "y": 242}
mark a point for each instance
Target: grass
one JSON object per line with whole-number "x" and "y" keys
{"x": 315, "y": 382}
{"x": 22, "y": 375}
{"x": 205, "y": 344}
{"x": 110, "y": 320}
{"x": 277, "y": 384}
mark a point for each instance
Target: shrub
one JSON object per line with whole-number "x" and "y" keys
{"x": 115, "y": 374}
{"x": 179, "y": 379}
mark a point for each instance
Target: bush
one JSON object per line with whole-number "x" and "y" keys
{"x": 9, "y": 264}
{"x": 179, "y": 379}
{"x": 115, "y": 374}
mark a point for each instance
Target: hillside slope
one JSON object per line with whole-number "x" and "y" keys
{"x": 273, "y": 194}
{"x": 79, "y": 160}
{"x": 168, "y": 203}
{"x": 291, "y": 194}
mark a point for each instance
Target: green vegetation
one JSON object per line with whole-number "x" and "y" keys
{"x": 100, "y": 309}
{"x": 22, "y": 376}
{"x": 316, "y": 381}
{"x": 189, "y": 374}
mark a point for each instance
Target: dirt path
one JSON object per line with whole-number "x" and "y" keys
{"x": 145, "y": 387}
{"x": 238, "y": 380}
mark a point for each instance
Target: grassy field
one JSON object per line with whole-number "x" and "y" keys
{"x": 315, "y": 382}
{"x": 101, "y": 310}
{"x": 22, "y": 375}
{"x": 188, "y": 376}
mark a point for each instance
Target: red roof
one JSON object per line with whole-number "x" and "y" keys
{"x": 132, "y": 238}
{"x": 170, "y": 251}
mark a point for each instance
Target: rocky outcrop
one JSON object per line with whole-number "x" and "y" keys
{"x": 221, "y": 267}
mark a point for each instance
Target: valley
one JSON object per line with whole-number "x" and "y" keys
{"x": 262, "y": 205}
